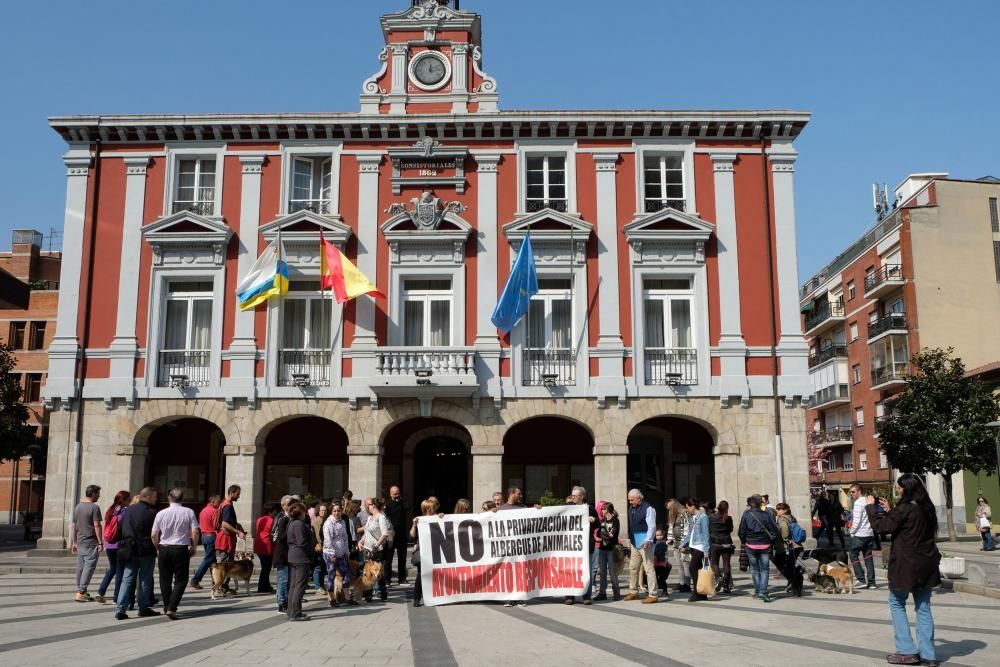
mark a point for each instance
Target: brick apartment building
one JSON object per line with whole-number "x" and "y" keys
{"x": 29, "y": 293}
{"x": 926, "y": 275}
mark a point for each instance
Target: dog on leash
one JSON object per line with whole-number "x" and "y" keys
{"x": 339, "y": 594}
{"x": 239, "y": 569}
{"x": 369, "y": 575}
{"x": 843, "y": 576}
{"x": 826, "y": 556}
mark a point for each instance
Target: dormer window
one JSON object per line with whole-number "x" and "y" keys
{"x": 663, "y": 182}
{"x": 546, "y": 183}
{"x": 311, "y": 184}
{"x": 195, "y": 190}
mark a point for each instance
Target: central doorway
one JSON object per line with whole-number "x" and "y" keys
{"x": 440, "y": 469}
{"x": 427, "y": 456}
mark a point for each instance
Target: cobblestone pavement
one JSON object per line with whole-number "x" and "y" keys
{"x": 41, "y": 625}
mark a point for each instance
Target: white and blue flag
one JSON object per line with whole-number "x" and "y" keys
{"x": 522, "y": 284}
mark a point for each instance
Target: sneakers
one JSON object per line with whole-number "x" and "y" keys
{"x": 146, "y": 613}
{"x": 172, "y": 615}
{"x": 83, "y": 597}
{"x": 630, "y": 597}
{"x": 100, "y": 599}
{"x": 569, "y": 601}
{"x": 860, "y": 583}
{"x": 522, "y": 603}
{"x": 903, "y": 659}
{"x": 934, "y": 663}
{"x": 121, "y": 616}
{"x": 508, "y": 603}
{"x": 195, "y": 585}
{"x": 586, "y": 602}
{"x": 763, "y": 597}
{"x": 697, "y": 597}
{"x": 600, "y": 598}
{"x": 649, "y": 599}
{"x": 300, "y": 617}
{"x": 871, "y": 586}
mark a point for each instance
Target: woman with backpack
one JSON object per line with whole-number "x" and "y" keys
{"x": 792, "y": 537}
{"x": 758, "y": 532}
{"x": 112, "y": 532}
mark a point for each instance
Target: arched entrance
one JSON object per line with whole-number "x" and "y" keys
{"x": 305, "y": 456}
{"x": 186, "y": 453}
{"x": 427, "y": 456}
{"x": 669, "y": 457}
{"x": 548, "y": 454}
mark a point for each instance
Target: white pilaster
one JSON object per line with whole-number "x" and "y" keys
{"x": 241, "y": 382}
{"x": 792, "y": 346}
{"x": 610, "y": 349}
{"x": 397, "y": 94}
{"x": 732, "y": 346}
{"x": 61, "y": 384}
{"x": 459, "y": 76}
{"x": 124, "y": 344}
{"x": 368, "y": 166}
{"x": 487, "y": 266}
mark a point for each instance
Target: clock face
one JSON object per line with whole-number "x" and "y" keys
{"x": 429, "y": 71}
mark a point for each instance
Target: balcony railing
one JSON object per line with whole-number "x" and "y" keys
{"x": 888, "y": 273}
{"x": 822, "y": 313}
{"x": 837, "y": 435}
{"x": 193, "y": 365}
{"x": 671, "y": 366}
{"x": 199, "y": 207}
{"x": 837, "y": 392}
{"x": 312, "y": 366}
{"x": 438, "y": 361}
{"x": 656, "y": 205}
{"x": 826, "y": 354}
{"x": 535, "y": 205}
{"x": 897, "y": 371}
{"x": 549, "y": 366}
{"x": 318, "y": 206}
{"x": 887, "y": 323}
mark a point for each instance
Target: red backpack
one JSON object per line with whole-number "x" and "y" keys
{"x": 112, "y": 528}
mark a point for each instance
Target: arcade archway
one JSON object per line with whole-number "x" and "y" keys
{"x": 427, "y": 456}
{"x": 548, "y": 454}
{"x": 305, "y": 456}
{"x": 186, "y": 453}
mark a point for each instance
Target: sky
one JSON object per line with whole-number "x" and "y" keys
{"x": 895, "y": 87}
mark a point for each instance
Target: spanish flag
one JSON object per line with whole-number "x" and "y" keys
{"x": 339, "y": 274}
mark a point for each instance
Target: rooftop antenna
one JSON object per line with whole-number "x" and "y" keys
{"x": 53, "y": 235}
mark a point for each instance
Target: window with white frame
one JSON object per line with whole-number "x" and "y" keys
{"x": 851, "y": 291}
{"x": 854, "y": 331}
{"x": 185, "y": 351}
{"x": 848, "y": 461}
{"x": 311, "y": 182}
{"x": 548, "y": 354}
{"x": 856, "y": 373}
{"x": 883, "y": 460}
{"x": 663, "y": 182}
{"x": 304, "y": 357}
{"x": 862, "y": 460}
{"x": 859, "y": 416}
{"x": 195, "y": 190}
{"x": 427, "y": 309}
{"x": 831, "y": 462}
{"x": 669, "y": 350}
{"x": 545, "y": 181}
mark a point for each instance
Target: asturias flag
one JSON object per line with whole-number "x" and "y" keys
{"x": 339, "y": 274}
{"x": 267, "y": 277}
{"x": 522, "y": 284}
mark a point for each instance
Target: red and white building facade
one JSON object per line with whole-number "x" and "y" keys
{"x": 646, "y": 359}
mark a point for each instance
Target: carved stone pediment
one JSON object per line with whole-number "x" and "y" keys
{"x": 668, "y": 237}
{"x": 555, "y": 236}
{"x": 305, "y": 226}
{"x": 410, "y": 244}
{"x": 187, "y": 239}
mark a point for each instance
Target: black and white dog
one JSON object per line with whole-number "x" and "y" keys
{"x": 826, "y": 556}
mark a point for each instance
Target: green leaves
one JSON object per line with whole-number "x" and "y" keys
{"x": 15, "y": 434}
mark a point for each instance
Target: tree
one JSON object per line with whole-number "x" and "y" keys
{"x": 939, "y": 423}
{"x": 15, "y": 434}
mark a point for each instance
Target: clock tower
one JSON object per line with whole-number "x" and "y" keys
{"x": 431, "y": 63}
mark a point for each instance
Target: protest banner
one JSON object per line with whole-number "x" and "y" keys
{"x": 507, "y": 555}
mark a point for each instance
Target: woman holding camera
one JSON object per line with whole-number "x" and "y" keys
{"x": 913, "y": 566}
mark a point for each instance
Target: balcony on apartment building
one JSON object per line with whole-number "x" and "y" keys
{"x": 887, "y": 325}
{"x": 886, "y": 279}
{"x": 548, "y": 367}
{"x": 824, "y": 315}
{"x": 832, "y": 437}
{"x": 184, "y": 368}
{"x": 890, "y": 375}
{"x": 826, "y": 354}
{"x": 829, "y": 396}
{"x": 440, "y": 371}
{"x": 671, "y": 366}
{"x": 298, "y": 368}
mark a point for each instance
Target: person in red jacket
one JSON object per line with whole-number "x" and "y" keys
{"x": 263, "y": 548}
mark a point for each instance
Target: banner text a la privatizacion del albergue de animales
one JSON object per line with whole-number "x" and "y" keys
{"x": 506, "y": 555}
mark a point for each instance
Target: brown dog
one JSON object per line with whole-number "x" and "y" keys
{"x": 240, "y": 569}
{"x": 370, "y": 574}
{"x": 842, "y": 575}
{"x": 338, "y": 594}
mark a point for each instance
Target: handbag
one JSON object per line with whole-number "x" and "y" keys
{"x": 744, "y": 559}
{"x": 706, "y": 581}
{"x": 984, "y": 524}
{"x": 128, "y": 549}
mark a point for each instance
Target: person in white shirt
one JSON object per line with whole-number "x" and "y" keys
{"x": 176, "y": 536}
{"x": 862, "y": 540}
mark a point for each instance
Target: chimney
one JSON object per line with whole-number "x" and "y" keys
{"x": 25, "y": 245}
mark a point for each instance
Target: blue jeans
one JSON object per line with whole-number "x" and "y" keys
{"x": 593, "y": 573}
{"x": 861, "y": 547}
{"x": 987, "y": 536}
{"x": 207, "y": 541}
{"x": 759, "y": 560}
{"x": 318, "y": 572}
{"x": 142, "y": 568}
{"x": 113, "y": 572}
{"x": 282, "y": 595}
{"x": 901, "y": 626}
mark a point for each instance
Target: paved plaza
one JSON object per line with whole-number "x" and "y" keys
{"x": 41, "y": 625}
